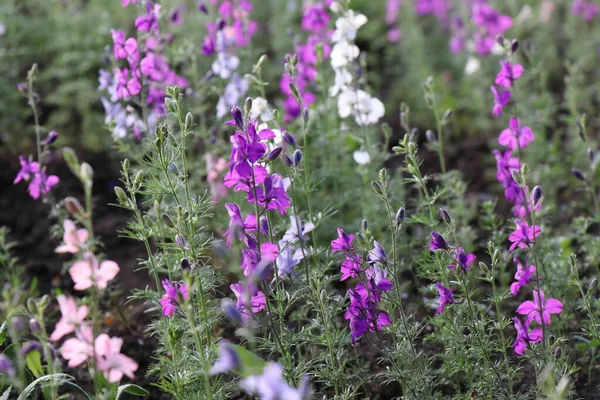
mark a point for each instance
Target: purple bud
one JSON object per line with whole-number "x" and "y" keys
{"x": 168, "y": 221}
{"x": 305, "y": 114}
{"x": 514, "y": 46}
{"x": 185, "y": 263}
{"x": 578, "y": 174}
{"x": 6, "y": 366}
{"x": 430, "y": 136}
{"x": 34, "y": 325}
{"x": 590, "y": 154}
{"x": 264, "y": 225}
{"x": 500, "y": 40}
{"x": 231, "y": 310}
{"x": 202, "y": 7}
{"x": 17, "y": 324}
{"x": 29, "y": 347}
{"x": 290, "y": 139}
{"x": 238, "y": 118}
{"x": 364, "y": 224}
{"x": 51, "y": 138}
{"x": 400, "y": 216}
{"x": 297, "y": 157}
{"x": 445, "y": 216}
{"x": 221, "y": 24}
{"x": 228, "y": 360}
{"x": 288, "y": 161}
{"x": 181, "y": 242}
{"x": 593, "y": 285}
{"x": 536, "y": 194}
{"x": 273, "y": 154}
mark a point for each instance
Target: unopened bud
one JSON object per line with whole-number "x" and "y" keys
{"x": 364, "y": 224}
{"x": 305, "y": 114}
{"x": 231, "y": 310}
{"x": 430, "y": 136}
{"x": 73, "y": 206}
{"x": 238, "y": 118}
{"x": 290, "y": 139}
{"x": 51, "y": 138}
{"x": 87, "y": 173}
{"x": 590, "y": 154}
{"x": 185, "y": 263}
{"x": 447, "y": 116}
{"x": 166, "y": 218}
{"x": 120, "y": 193}
{"x": 189, "y": 120}
{"x": 377, "y": 187}
{"x": 514, "y": 46}
{"x": 170, "y": 104}
{"x": 202, "y": 8}
{"x": 181, "y": 242}
{"x": 400, "y": 216}
{"x": 261, "y": 61}
{"x": 248, "y": 105}
{"x": 578, "y": 174}
{"x": 593, "y": 285}
{"x": 273, "y": 154}
{"x": 297, "y": 157}
{"x": 70, "y": 157}
{"x": 445, "y": 216}
{"x": 536, "y": 194}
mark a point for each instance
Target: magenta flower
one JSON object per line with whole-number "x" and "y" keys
{"x": 125, "y": 3}
{"x": 42, "y": 184}
{"x": 72, "y": 317}
{"x": 174, "y": 293}
{"x": 446, "y": 297}
{"x": 586, "y": 10}
{"x": 522, "y": 276}
{"x": 110, "y": 360}
{"x": 248, "y": 299}
{"x": 343, "y": 242}
{"x": 463, "y": 260}
{"x": 127, "y": 87}
{"x": 315, "y": 18}
{"x": 540, "y": 303}
{"x": 438, "y": 242}
{"x": 28, "y": 169}
{"x": 508, "y": 74}
{"x": 273, "y": 196}
{"x": 516, "y": 135}
{"x": 238, "y": 227}
{"x": 351, "y": 267}
{"x": 148, "y": 22}
{"x": 501, "y": 99}
{"x": 524, "y": 235}
{"x": 525, "y": 337}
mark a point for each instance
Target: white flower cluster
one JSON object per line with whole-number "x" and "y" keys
{"x": 367, "y": 110}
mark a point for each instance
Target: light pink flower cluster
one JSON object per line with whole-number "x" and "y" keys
{"x": 39, "y": 182}
{"x": 315, "y": 21}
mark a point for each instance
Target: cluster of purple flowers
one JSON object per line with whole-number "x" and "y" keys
{"x": 363, "y": 312}
{"x": 39, "y": 182}
{"x": 586, "y": 10}
{"x": 315, "y": 21}
{"x": 515, "y": 138}
{"x": 145, "y": 66}
{"x": 487, "y": 23}
{"x": 231, "y": 30}
{"x": 391, "y": 15}
{"x": 248, "y": 173}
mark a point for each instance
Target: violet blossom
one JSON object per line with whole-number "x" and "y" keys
{"x": 446, "y": 297}
{"x": 540, "y": 308}
{"x": 524, "y": 235}
{"x": 525, "y": 336}
{"x": 516, "y": 135}
{"x": 175, "y": 292}
{"x": 522, "y": 276}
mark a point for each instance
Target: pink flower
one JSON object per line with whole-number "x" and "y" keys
{"x": 508, "y": 74}
{"x": 42, "y": 184}
{"x": 525, "y": 337}
{"x": 125, "y": 3}
{"x": 516, "y": 135}
{"x": 523, "y": 276}
{"x": 524, "y": 235}
{"x": 88, "y": 272}
{"x": 78, "y": 350}
{"x": 547, "y": 306}
{"x": 126, "y": 86}
{"x": 28, "y": 169}
{"x": 110, "y": 360}
{"x": 72, "y": 317}
{"x": 247, "y": 300}
{"x": 174, "y": 291}
{"x": 74, "y": 239}
{"x": 501, "y": 99}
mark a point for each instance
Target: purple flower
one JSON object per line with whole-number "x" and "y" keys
{"x": 343, "y": 242}
{"x": 524, "y": 337}
{"x": 524, "y": 235}
{"x": 351, "y": 267}
{"x": 392, "y": 9}
{"x": 315, "y": 18}
{"x": 462, "y": 260}
{"x": 490, "y": 20}
{"x": 230, "y": 309}
{"x": 362, "y": 312}
{"x": 228, "y": 359}
{"x": 28, "y": 169}
{"x": 42, "y": 184}
{"x": 30, "y": 346}
{"x": 298, "y": 230}
{"x": 273, "y": 196}
{"x": 271, "y": 385}
{"x": 126, "y": 87}
{"x": 523, "y": 276}
{"x": 6, "y": 366}
{"x": 516, "y": 135}
{"x": 287, "y": 258}
{"x": 586, "y": 10}
{"x": 253, "y": 300}
{"x": 438, "y": 8}
{"x": 149, "y": 22}
{"x": 438, "y": 242}
{"x": 251, "y": 256}
{"x": 238, "y": 227}
{"x": 508, "y": 74}
{"x": 174, "y": 292}
{"x": 446, "y": 297}
{"x": 501, "y": 99}
{"x": 377, "y": 254}
{"x": 175, "y": 17}
{"x": 125, "y": 3}
{"x": 547, "y": 306}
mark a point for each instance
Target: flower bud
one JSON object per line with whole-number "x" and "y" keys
{"x": 593, "y": 285}
{"x": 189, "y": 120}
{"x": 87, "y": 173}
{"x": 181, "y": 242}
{"x": 447, "y": 115}
{"x": 238, "y": 118}
{"x": 6, "y": 366}
{"x": 364, "y": 224}
{"x": 202, "y": 8}
{"x": 578, "y": 174}
{"x": 17, "y": 324}
{"x": 273, "y": 154}
{"x": 73, "y": 206}
{"x": 377, "y": 187}
{"x": 221, "y": 24}
{"x": 500, "y": 40}
{"x": 590, "y": 153}
{"x": 170, "y": 104}
{"x": 231, "y": 310}
{"x": 288, "y": 161}
{"x": 514, "y": 46}
{"x": 297, "y": 157}
{"x": 445, "y": 216}
{"x": 51, "y": 138}
{"x": 305, "y": 114}
{"x": 261, "y": 61}
{"x": 248, "y": 105}
{"x": 290, "y": 139}
{"x": 126, "y": 164}
{"x": 28, "y": 347}
{"x": 70, "y": 157}
{"x": 174, "y": 169}
{"x": 400, "y": 216}
{"x": 34, "y": 325}
{"x": 536, "y": 194}
{"x": 185, "y": 263}
{"x": 430, "y": 136}
{"x": 167, "y": 220}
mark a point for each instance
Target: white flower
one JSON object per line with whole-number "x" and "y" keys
{"x": 260, "y": 108}
{"x": 347, "y": 26}
{"x": 473, "y": 65}
{"x": 361, "y": 157}
{"x": 367, "y": 110}
{"x": 343, "y": 53}
{"x": 335, "y": 7}
{"x": 225, "y": 64}
{"x": 343, "y": 78}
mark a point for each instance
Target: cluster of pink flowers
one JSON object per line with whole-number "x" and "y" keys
{"x": 487, "y": 23}
{"x": 145, "y": 66}
{"x": 315, "y": 21}
{"x": 363, "y": 312}
{"x": 86, "y": 273}
{"x": 39, "y": 182}
{"x": 515, "y": 138}
{"x": 248, "y": 173}
{"x": 586, "y": 10}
